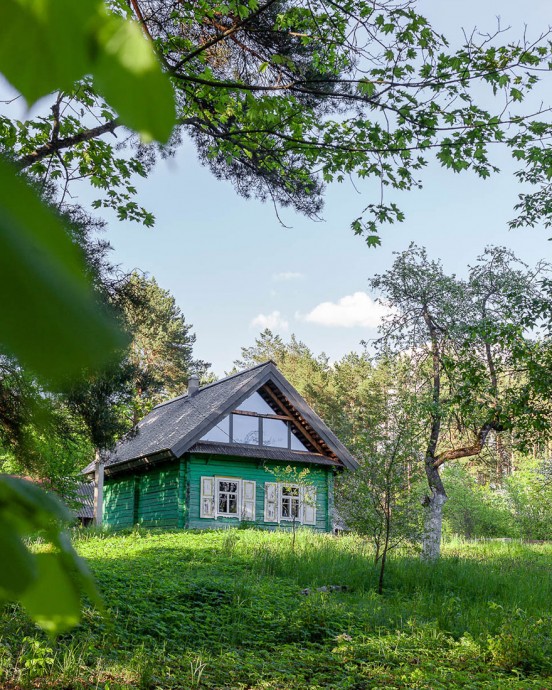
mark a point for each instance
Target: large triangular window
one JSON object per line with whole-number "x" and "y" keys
{"x": 258, "y": 422}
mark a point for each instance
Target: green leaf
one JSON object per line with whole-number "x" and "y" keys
{"x": 49, "y": 317}
{"x": 366, "y": 88}
{"x": 53, "y": 599}
{"x": 70, "y": 40}
{"x": 128, "y": 75}
{"x": 56, "y": 33}
{"x": 29, "y": 506}
{"x": 85, "y": 578}
{"x": 27, "y": 509}
{"x": 18, "y": 569}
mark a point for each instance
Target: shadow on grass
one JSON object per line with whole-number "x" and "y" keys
{"x": 225, "y": 610}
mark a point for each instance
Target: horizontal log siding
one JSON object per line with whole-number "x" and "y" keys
{"x": 182, "y": 503}
{"x": 157, "y": 496}
{"x": 241, "y": 468}
{"x": 149, "y": 498}
{"x": 118, "y": 505}
{"x": 330, "y": 481}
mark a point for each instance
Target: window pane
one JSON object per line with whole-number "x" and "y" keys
{"x": 296, "y": 444}
{"x": 246, "y": 429}
{"x": 255, "y": 403}
{"x": 290, "y": 503}
{"x": 219, "y": 433}
{"x": 228, "y": 497}
{"x": 275, "y": 433}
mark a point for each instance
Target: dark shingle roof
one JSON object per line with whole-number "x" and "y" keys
{"x": 85, "y": 499}
{"x": 172, "y": 428}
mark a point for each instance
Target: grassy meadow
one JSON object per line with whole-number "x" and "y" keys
{"x": 226, "y": 610}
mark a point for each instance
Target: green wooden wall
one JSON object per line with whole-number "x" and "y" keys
{"x": 118, "y": 505}
{"x": 168, "y": 495}
{"x": 153, "y": 498}
{"x": 227, "y": 466}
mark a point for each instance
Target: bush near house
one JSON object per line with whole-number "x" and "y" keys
{"x": 226, "y": 610}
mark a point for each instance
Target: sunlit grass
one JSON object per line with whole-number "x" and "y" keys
{"x": 225, "y": 610}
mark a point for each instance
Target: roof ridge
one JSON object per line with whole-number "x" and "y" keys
{"x": 215, "y": 383}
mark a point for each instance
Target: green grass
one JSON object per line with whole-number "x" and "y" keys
{"x": 224, "y": 610}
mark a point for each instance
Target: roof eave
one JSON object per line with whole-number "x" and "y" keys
{"x": 131, "y": 463}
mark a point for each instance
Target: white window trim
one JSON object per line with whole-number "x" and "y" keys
{"x": 238, "y": 482}
{"x": 299, "y": 499}
{"x": 308, "y": 508}
{"x": 210, "y": 498}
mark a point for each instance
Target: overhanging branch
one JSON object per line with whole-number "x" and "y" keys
{"x": 468, "y": 451}
{"x": 57, "y": 145}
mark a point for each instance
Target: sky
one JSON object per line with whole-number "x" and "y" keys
{"x": 234, "y": 270}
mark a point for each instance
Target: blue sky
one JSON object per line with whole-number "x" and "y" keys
{"x": 233, "y": 269}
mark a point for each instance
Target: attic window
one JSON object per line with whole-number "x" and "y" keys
{"x": 255, "y": 403}
{"x": 245, "y": 429}
{"x": 275, "y": 433}
{"x": 255, "y": 422}
{"x": 220, "y": 433}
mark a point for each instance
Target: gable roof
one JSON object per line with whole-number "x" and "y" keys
{"x": 174, "y": 427}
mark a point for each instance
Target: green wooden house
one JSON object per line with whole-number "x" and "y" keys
{"x": 215, "y": 457}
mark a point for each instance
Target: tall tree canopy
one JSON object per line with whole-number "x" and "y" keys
{"x": 161, "y": 351}
{"x": 283, "y": 96}
{"x": 476, "y": 360}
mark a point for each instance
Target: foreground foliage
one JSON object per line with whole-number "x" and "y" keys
{"x": 226, "y": 610}
{"x": 281, "y": 98}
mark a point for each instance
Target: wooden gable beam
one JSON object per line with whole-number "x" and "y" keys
{"x": 303, "y": 430}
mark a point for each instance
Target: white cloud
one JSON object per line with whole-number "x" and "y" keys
{"x": 274, "y": 321}
{"x": 287, "y": 275}
{"x": 358, "y": 309}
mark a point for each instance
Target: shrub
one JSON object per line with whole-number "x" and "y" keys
{"x": 524, "y": 642}
{"x": 530, "y": 494}
{"x": 473, "y": 510}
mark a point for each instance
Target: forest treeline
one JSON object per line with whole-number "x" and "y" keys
{"x": 379, "y": 400}
{"x": 281, "y": 99}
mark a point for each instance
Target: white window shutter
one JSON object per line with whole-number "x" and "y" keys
{"x": 207, "y": 504}
{"x": 308, "y": 500}
{"x": 248, "y": 499}
{"x": 271, "y": 502}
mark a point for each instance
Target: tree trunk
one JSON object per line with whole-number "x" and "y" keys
{"x": 386, "y": 543}
{"x": 433, "y": 520}
{"x": 382, "y": 572}
{"x": 433, "y": 525}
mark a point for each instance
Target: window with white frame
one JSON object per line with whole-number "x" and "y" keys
{"x": 290, "y": 503}
{"x": 227, "y": 497}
